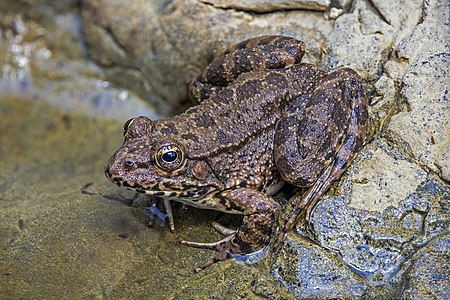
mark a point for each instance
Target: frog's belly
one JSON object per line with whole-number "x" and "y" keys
{"x": 206, "y": 203}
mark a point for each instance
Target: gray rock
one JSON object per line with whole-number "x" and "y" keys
{"x": 270, "y": 6}
{"x": 185, "y": 38}
{"x": 32, "y": 68}
{"x": 430, "y": 283}
{"x": 423, "y": 126}
{"x": 382, "y": 178}
{"x": 364, "y": 34}
{"x": 299, "y": 270}
{"x": 370, "y": 239}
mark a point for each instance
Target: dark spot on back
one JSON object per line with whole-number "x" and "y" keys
{"x": 204, "y": 120}
{"x": 215, "y": 72}
{"x": 167, "y": 184}
{"x": 169, "y": 128}
{"x": 126, "y": 184}
{"x": 248, "y": 89}
{"x": 190, "y": 136}
{"x": 276, "y": 80}
{"x": 222, "y": 137}
{"x": 225, "y": 96}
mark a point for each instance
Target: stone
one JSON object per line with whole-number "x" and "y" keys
{"x": 383, "y": 179}
{"x": 305, "y": 278}
{"x": 261, "y": 6}
{"x": 364, "y": 34}
{"x": 430, "y": 283}
{"x": 31, "y": 65}
{"x": 375, "y": 231}
{"x": 424, "y": 126}
{"x": 139, "y": 50}
{"x": 43, "y": 11}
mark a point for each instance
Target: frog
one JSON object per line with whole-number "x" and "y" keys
{"x": 263, "y": 119}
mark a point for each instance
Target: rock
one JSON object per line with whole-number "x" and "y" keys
{"x": 33, "y": 68}
{"x": 430, "y": 283}
{"x": 344, "y": 4}
{"x": 370, "y": 239}
{"x": 423, "y": 126}
{"x": 364, "y": 34}
{"x": 185, "y": 38}
{"x": 383, "y": 179}
{"x": 270, "y": 6}
{"x": 40, "y": 10}
{"x": 306, "y": 279}
{"x": 335, "y": 12}
{"x": 401, "y": 15}
{"x": 370, "y": 33}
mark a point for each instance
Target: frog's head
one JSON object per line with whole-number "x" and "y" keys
{"x": 157, "y": 164}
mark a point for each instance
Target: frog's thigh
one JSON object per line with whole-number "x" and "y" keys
{"x": 308, "y": 141}
{"x": 260, "y": 53}
{"x": 260, "y": 216}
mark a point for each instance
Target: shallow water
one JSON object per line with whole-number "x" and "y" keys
{"x": 65, "y": 230}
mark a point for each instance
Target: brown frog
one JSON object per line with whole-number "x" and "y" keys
{"x": 263, "y": 119}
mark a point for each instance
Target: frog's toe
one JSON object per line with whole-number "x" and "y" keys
{"x": 222, "y": 229}
{"x": 217, "y": 246}
{"x": 223, "y": 247}
{"x": 222, "y": 255}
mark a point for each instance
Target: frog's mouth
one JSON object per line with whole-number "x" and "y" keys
{"x": 197, "y": 192}
{"x": 162, "y": 189}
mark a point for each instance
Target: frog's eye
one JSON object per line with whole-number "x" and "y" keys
{"x": 127, "y": 125}
{"x": 169, "y": 157}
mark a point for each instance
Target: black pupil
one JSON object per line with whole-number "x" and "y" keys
{"x": 170, "y": 156}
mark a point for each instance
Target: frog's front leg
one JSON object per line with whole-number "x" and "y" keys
{"x": 260, "y": 219}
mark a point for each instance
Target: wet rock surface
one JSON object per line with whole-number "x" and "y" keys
{"x": 382, "y": 231}
{"x": 366, "y": 251}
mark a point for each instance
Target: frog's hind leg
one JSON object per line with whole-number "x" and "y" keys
{"x": 259, "y": 53}
{"x": 334, "y": 131}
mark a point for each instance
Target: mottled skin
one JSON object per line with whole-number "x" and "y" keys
{"x": 263, "y": 119}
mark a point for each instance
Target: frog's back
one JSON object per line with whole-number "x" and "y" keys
{"x": 233, "y": 116}
{"x": 245, "y": 108}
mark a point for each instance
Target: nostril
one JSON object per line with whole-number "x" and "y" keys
{"x": 129, "y": 163}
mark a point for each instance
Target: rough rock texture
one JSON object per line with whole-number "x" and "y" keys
{"x": 374, "y": 235}
{"x": 424, "y": 125}
{"x": 382, "y": 232}
{"x": 135, "y": 52}
{"x": 270, "y": 6}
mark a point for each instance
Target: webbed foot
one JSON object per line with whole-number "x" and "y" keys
{"x": 222, "y": 246}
